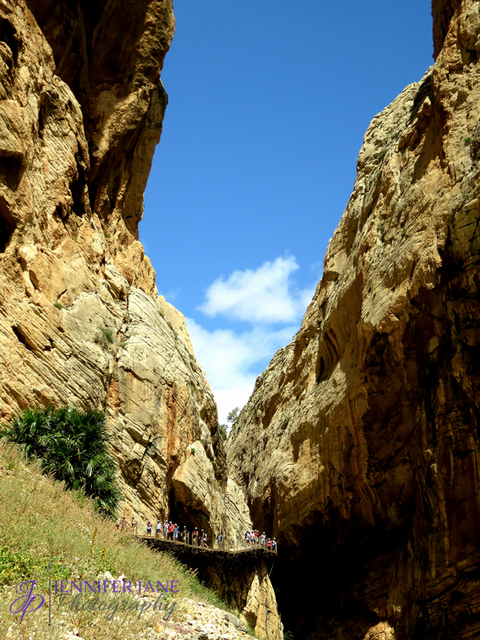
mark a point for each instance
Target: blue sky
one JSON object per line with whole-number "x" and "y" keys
{"x": 268, "y": 104}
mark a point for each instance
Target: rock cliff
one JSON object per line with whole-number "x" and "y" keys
{"x": 360, "y": 446}
{"x": 81, "y": 110}
{"x": 80, "y": 115}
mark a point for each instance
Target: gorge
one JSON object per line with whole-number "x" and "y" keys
{"x": 359, "y": 446}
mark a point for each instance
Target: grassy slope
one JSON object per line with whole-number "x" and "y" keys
{"x": 45, "y": 526}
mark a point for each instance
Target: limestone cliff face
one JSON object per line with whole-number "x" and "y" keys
{"x": 81, "y": 109}
{"x": 360, "y": 446}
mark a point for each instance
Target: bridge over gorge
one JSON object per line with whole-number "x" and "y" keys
{"x": 222, "y": 549}
{"x": 228, "y": 569}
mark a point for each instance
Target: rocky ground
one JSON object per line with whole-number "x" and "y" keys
{"x": 189, "y": 620}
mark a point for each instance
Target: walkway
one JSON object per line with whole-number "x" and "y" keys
{"x": 229, "y": 550}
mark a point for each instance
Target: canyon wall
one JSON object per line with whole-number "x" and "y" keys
{"x": 360, "y": 445}
{"x": 81, "y": 111}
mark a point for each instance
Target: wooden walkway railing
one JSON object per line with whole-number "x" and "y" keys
{"x": 226, "y": 546}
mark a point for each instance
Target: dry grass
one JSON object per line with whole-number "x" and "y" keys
{"x": 48, "y": 532}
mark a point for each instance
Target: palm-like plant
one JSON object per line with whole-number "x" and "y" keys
{"x": 72, "y": 445}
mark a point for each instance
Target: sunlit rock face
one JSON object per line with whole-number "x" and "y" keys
{"x": 81, "y": 110}
{"x": 359, "y": 447}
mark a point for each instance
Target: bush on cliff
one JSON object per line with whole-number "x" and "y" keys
{"x": 72, "y": 447}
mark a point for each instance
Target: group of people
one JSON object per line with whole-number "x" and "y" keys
{"x": 253, "y": 538}
{"x": 199, "y": 538}
{"x": 123, "y": 525}
{"x": 171, "y": 531}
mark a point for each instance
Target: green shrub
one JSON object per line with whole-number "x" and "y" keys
{"x": 104, "y": 336}
{"x": 72, "y": 446}
{"x": 233, "y": 416}
{"x": 223, "y": 431}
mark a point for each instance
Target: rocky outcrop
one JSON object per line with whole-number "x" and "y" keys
{"x": 251, "y": 592}
{"x": 110, "y": 55}
{"x": 360, "y": 445}
{"x": 241, "y": 579}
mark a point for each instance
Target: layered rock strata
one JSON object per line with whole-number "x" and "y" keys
{"x": 360, "y": 446}
{"x": 81, "y": 110}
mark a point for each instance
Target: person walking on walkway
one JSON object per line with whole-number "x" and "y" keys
{"x": 149, "y": 528}
{"x": 158, "y": 529}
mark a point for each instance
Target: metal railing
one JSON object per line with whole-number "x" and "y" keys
{"x": 186, "y": 538}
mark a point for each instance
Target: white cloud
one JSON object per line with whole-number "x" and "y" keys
{"x": 232, "y": 361}
{"x": 265, "y": 295}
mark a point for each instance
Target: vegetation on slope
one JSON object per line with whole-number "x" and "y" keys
{"x": 72, "y": 446}
{"x": 48, "y": 532}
